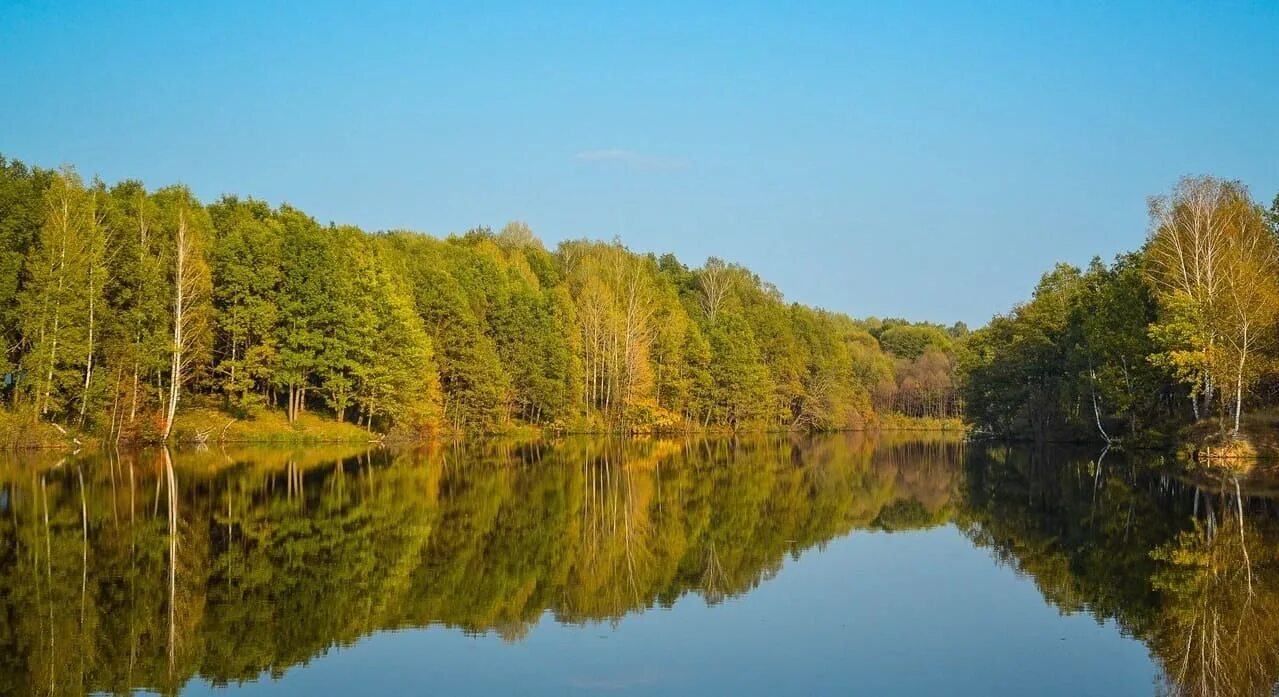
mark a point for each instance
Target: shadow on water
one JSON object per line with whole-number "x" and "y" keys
{"x": 146, "y": 569}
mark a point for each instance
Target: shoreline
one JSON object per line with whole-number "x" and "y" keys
{"x": 311, "y": 430}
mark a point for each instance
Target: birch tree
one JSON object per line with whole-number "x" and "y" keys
{"x": 639, "y": 306}
{"x": 618, "y": 301}
{"x": 1250, "y": 305}
{"x": 96, "y": 272}
{"x": 188, "y": 228}
{"x": 1189, "y": 251}
{"x": 60, "y": 296}
{"x": 715, "y": 281}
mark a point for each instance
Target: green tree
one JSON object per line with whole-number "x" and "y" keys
{"x": 247, "y": 273}
{"x": 473, "y": 381}
{"x": 22, "y": 212}
{"x": 1018, "y": 379}
{"x": 62, "y": 297}
{"x": 741, "y": 387}
{"x": 305, "y": 283}
{"x": 912, "y": 340}
{"x": 1109, "y": 335}
{"x": 138, "y": 298}
{"x": 400, "y": 384}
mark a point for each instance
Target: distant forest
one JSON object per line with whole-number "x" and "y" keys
{"x": 121, "y": 306}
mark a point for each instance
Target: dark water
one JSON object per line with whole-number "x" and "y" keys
{"x": 828, "y": 565}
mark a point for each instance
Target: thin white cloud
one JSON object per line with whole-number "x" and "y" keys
{"x": 628, "y": 158}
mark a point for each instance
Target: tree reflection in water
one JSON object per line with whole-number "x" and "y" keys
{"x": 1186, "y": 564}
{"x": 146, "y": 569}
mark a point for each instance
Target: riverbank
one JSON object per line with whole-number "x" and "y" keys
{"x": 216, "y": 426}
{"x": 901, "y": 422}
{"x": 27, "y": 432}
{"x": 211, "y": 425}
{"x": 20, "y": 431}
{"x": 1215, "y": 442}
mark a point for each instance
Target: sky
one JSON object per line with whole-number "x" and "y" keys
{"x": 916, "y": 159}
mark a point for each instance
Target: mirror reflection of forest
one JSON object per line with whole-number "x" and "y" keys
{"x": 1188, "y": 565}
{"x": 147, "y": 569}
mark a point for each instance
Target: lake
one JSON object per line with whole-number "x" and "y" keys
{"x": 834, "y": 564}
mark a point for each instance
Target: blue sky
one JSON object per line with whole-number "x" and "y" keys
{"x": 918, "y": 159}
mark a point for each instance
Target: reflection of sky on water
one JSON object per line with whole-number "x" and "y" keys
{"x": 919, "y": 613}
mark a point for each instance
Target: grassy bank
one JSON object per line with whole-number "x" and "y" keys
{"x": 20, "y": 431}
{"x": 212, "y": 425}
{"x": 901, "y": 422}
{"x": 216, "y": 426}
{"x": 1213, "y": 441}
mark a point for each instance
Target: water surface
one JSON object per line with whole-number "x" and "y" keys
{"x": 902, "y": 564}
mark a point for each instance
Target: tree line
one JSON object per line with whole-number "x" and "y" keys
{"x": 120, "y": 306}
{"x": 1182, "y": 330}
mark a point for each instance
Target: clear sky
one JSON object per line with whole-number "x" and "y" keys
{"x": 917, "y": 159}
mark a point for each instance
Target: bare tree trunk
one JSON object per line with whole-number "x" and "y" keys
{"x": 88, "y": 362}
{"x": 1208, "y": 387}
{"x": 57, "y": 306}
{"x": 1132, "y": 415}
{"x": 114, "y": 433}
{"x": 179, "y": 323}
{"x": 233, "y": 360}
{"x": 133, "y": 405}
{"x": 1096, "y": 410}
{"x": 1243, "y": 357}
{"x": 137, "y": 347}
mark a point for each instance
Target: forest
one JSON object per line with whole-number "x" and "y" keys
{"x": 122, "y": 308}
{"x": 1180, "y": 334}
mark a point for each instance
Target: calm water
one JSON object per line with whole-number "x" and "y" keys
{"x": 827, "y": 565}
